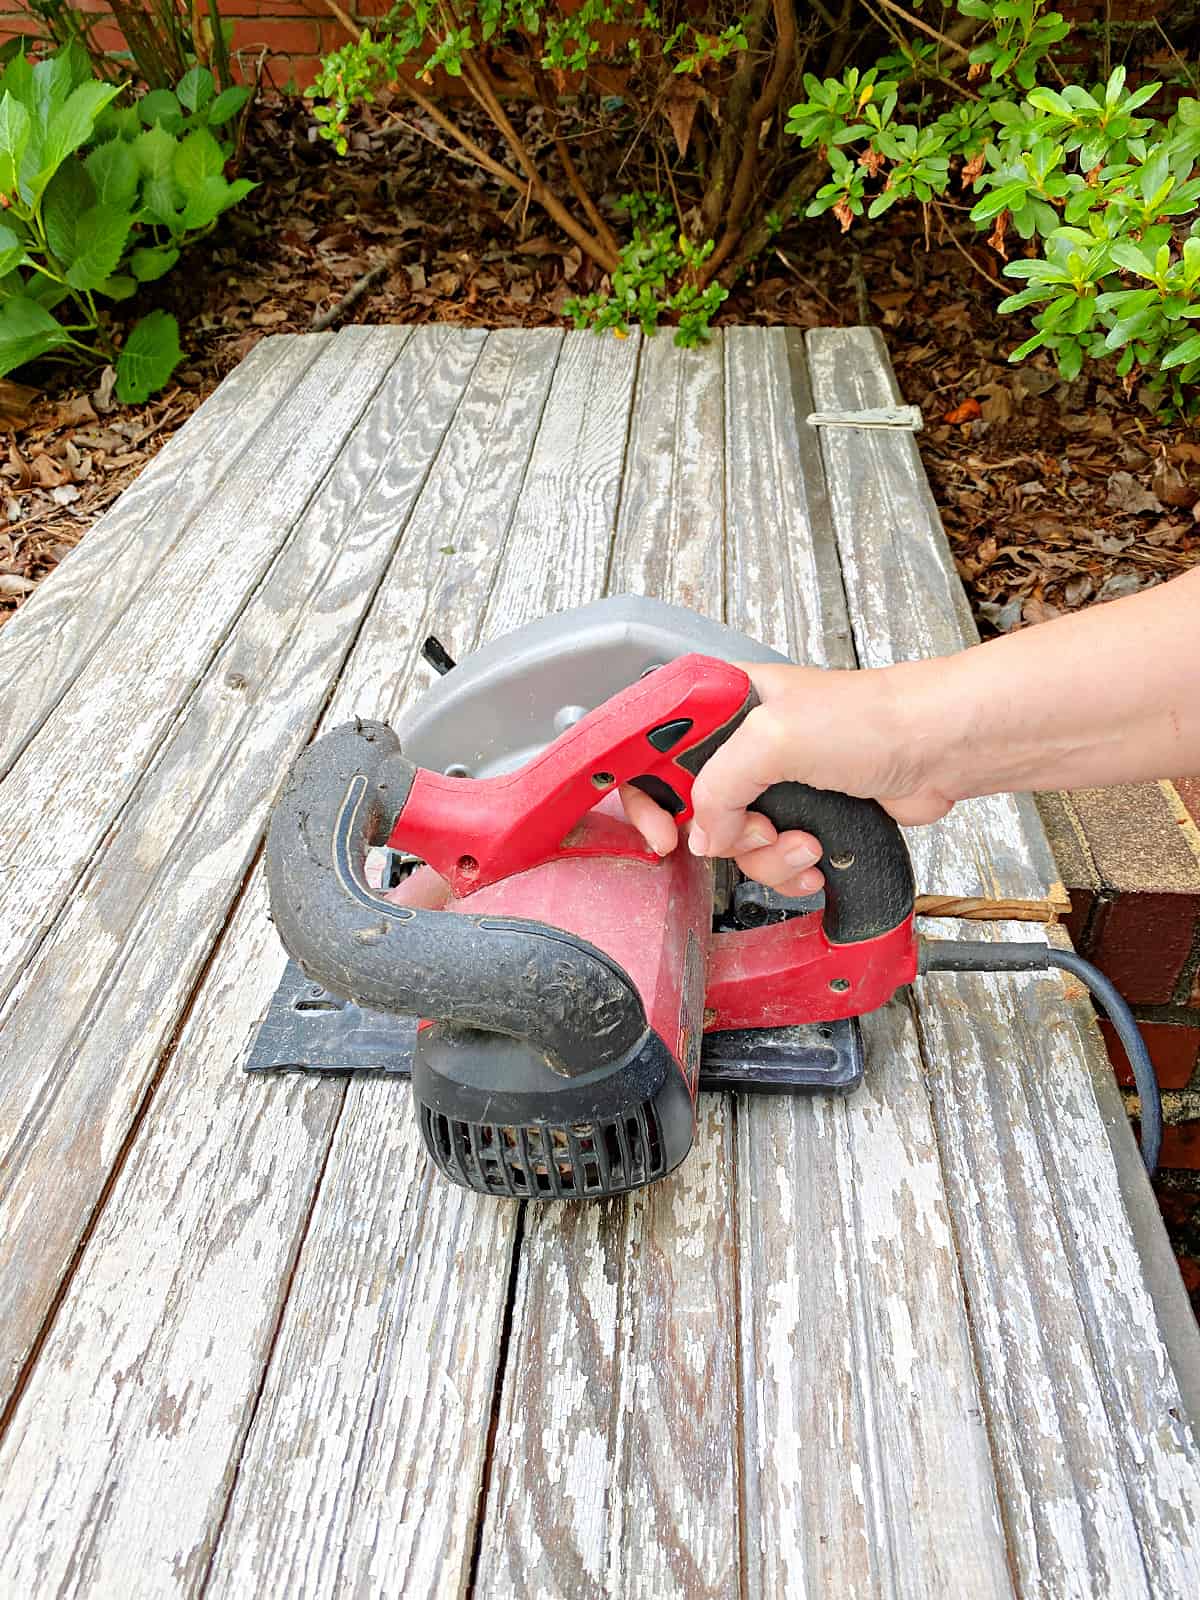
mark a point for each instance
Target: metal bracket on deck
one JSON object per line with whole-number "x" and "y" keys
{"x": 906, "y": 417}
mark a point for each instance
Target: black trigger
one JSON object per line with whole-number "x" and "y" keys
{"x": 661, "y": 792}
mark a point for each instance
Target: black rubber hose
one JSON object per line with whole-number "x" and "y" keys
{"x": 980, "y": 955}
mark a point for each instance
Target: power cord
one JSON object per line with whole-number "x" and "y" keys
{"x": 979, "y": 955}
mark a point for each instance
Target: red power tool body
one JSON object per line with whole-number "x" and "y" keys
{"x": 567, "y": 981}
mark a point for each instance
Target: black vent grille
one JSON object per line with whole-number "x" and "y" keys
{"x": 585, "y": 1160}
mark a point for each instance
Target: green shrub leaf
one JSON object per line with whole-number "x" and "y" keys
{"x": 73, "y": 122}
{"x": 69, "y": 195}
{"x": 113, "y": 168}
{"x": 1181, "y": 354}
{"x": 27, "y": 330}
{"x": 147, "y": 265}
{"x": 15, "y": 128}
{"x": 197, "y": 158}
{"x": 100, "y": 236}
{"x": 227, "y": 104}
{"x": 12, "y": 250}
{"x": 155, "y": 151}
{"x": 195, "y": 88}
{"x": 150, "y": 356}
{"x": 161, "y": 107}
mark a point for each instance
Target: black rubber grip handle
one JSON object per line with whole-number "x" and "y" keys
{"x": 505, "y": 974}
{"x": 869, "y": 887}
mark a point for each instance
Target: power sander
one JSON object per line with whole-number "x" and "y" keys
{"x": 563, "y": 998}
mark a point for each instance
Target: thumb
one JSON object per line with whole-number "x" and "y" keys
{"x": 728, "y": 782}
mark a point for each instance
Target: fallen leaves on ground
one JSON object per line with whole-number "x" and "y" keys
{"x": 1053, "y": 495}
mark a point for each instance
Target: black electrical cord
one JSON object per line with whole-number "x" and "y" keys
{"x": 979, "y": 955}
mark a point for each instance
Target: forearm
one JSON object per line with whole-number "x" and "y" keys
{"x": 1110, "y": 695}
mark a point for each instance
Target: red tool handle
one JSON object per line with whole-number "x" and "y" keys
{"x": 475, "y": 831}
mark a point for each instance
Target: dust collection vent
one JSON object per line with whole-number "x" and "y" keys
{"x": 548, "y": 1162}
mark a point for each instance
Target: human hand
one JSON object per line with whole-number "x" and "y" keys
{"x": 848, "y": 731}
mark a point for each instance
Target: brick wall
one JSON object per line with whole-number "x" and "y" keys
{"x": 1130, "y": 859}
{"x": 294, "y": 34}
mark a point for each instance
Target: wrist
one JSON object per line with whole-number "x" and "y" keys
{"x": 938, "y": 729}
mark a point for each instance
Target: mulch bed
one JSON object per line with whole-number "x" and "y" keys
{"x": 1053, "y": 494}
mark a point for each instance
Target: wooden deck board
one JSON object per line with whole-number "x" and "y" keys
{"x": 1065, "y": 1333}
{"x": 902, "y": 1345}
{"x": 858, "y": 1378}
{"x": 603, "y": 1291}
{"x": 49, "y": 640}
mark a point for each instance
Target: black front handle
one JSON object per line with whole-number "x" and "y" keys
{"x": 869, "y": 886}
{"x": 505, "y": 974}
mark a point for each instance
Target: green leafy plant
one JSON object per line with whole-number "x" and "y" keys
{"x": 1103, "y": 198}
{"x": 98, "y": 199}
{"x": 640, "y": 287}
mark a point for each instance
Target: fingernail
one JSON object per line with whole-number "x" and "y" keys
{"x": 802, "y": 856}
{"x": 754, "y": 837}
{"x": 698, "y": 842}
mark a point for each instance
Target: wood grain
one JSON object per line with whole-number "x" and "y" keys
{"x": 68, "y": 788}
{"x": 1097, "y": 1467}
{"x": 387, "y": 1354}
{"x": 619, "y": 1402}
{"x": 55, "y": 632}
{"x": 174, "y": 1335}
{"x": 867, "y": 1469}
{"x": 900, "y": 1345}
{"x": 100, "y": 997}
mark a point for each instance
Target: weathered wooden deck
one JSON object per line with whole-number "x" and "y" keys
{"x": 928, "y": 1342}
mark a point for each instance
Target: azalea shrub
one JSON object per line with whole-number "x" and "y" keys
{"x": 1084, "y": 195}
{"x": 98, "y": 198}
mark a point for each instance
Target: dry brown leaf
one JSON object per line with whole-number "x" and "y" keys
{"x": 1172, "y": 488}
{"x": 16, "y": 402}
{"x": 78, "y": 409}
{"x": 13, "y": 587}
{"x": 46, "y": 472}
{"x": 1126, "y": 494}
{"x": 680, "y": 103}
{"x": 102, "y": 395}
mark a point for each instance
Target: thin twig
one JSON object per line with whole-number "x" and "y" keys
{"x": 966, "y": 254}
{"x": 809, "y": 283}
{"x": 354, "y": 294}
{"x": 946, "y": 42}
{"x": 345, "y": 19}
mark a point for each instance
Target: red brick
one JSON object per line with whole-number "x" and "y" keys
{"x": 1082, "y": 901}
{"x": 1178, "y": 1206}
{"x": 1188, "y": 790}
{"x": 287, "y": 38}
{"x": 1189, "y": 1271}
{"x": 1144, "y": 942}
{"x": 1181, "y": 1146}
{"x": 1173, "y": 1046}
{"x": 282, "y": 70}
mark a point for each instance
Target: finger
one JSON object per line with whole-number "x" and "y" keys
{"x": 730, "y": 780}
{"x": 656, "y": 826}
{"x": 786, "y": 861}
{"x": 810, "y": 881}
{"x": 423, "y": 888}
